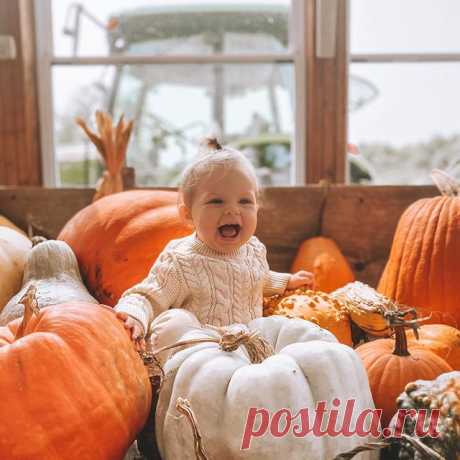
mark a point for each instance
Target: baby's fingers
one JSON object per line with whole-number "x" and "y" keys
{"x": 121, "y": 315}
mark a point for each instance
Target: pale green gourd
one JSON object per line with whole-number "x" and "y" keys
{"x": 52, "y": 268}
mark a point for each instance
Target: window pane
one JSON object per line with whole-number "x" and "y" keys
{"x": 408, "y": 26}
{"x": 174, "y": 106}
{"x": 411, "y": 126}
{"x": 108, "y": 27}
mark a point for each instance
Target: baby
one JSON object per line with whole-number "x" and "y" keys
{"x": 220, "y": 272}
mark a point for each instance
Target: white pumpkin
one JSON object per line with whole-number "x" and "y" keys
{"x": 53, "y": 269}
{"x": 308, "y": 366}
{"x": 14, "y": 247}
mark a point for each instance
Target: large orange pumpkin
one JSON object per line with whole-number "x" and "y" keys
{"x": 391, "y": 364}
{"x": 118, "y": 238}
{"x": 423, "y": 269}
{"x": 72, "y": 386}
{"x": 442, "y": 340}
{"x": 323, "y": 257}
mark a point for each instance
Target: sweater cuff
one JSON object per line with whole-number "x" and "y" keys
{"x": 135, "y": 306}
{"x": 276, "y": 283}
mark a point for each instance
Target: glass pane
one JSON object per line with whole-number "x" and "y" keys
{"x": 408, "y": 26}
{"x": 131, "y": 27}
{"x": 174, "y": 106}
{"x": 410, "y": 127}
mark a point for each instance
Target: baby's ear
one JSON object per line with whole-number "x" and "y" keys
{"x": 185, "y": 214}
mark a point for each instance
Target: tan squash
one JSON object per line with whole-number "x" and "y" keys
{"x": 53, "y": 269}
{"x": 14, "y": 248}
{"x": 323, "y": 257}
{"x": 366, "y": 307}
{"x": 317, "y": 307}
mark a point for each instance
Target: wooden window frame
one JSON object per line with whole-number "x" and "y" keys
{"x": 320, "y": 90}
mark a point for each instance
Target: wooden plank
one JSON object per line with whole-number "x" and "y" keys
{"x": 288, "y": 215}
{"x": 361, "y": 219}
{"x": 46, "y": 209}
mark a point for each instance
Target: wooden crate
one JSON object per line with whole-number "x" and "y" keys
{"x": 361, "y": 219}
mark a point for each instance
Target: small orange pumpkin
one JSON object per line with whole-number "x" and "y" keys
{"x": 323, "y": 257}
{"x": 118, "y": 238}
{"x": 392, "y": 363}
{"x": 441, "y": 339}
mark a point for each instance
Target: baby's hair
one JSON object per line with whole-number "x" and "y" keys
{"x": 212, "y": 143}
{"x": 212, "y": 158}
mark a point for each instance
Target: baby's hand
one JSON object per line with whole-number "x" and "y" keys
{"x": 135, "y": 329}
{"x": 301, "y": 278}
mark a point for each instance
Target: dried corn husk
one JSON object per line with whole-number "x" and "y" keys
{"x": 111, "y": 143}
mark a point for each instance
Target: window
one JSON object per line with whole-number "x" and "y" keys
{"x": 407, "y": 56}
{"x": 181, "y": 69}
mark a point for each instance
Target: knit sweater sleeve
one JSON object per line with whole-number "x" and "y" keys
{"x": 274, "y": 282}
{"x": 160, "y": 290}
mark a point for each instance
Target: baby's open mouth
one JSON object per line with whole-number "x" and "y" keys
{"x": 229, "y": 231}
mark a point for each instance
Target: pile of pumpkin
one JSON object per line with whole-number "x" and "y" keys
{"x": 58, "y": 340}
{"x": 401, "y": 344}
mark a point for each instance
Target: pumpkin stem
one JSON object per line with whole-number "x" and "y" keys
{"x": 184, "y": 406}
{"x": 401, "y": 342}
{"x": 399, "y": 324}
{"x": 257, "y": 347}
{"x": 36, "y": 240}
{"x": 446, "y": 184}
{"x": 29, "y": 300}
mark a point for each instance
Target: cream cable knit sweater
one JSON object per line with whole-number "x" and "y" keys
{"x": 219, "y": 289}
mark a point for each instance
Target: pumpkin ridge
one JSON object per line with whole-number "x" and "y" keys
{"x": 432, "y": 250}
{"x": 21, "y": 356}
{"x": 376, "y": 365}
{"x": 445, "y": 215}
{"x": 424, "y": 260}
{"x": 399, "y": 245}
{"x": 393, "y": 267}
{"x": 405, "y": 286}
{"x": 450, "y": 276}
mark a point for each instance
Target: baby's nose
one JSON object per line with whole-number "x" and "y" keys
{"x": 232, "y": 209}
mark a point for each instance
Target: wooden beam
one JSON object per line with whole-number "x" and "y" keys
{"x": 327, "y": 101}
{"x": 19, "y": 127}
{"x": 361, "y": 219}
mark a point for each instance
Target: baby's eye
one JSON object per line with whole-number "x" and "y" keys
{"x": 215, "y": 201}
{"x": 245, "y": 201}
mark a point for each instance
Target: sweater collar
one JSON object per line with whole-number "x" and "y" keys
{"x": 202, "y": 248}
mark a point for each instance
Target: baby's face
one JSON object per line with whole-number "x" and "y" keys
{"x": 224, "y": 210}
